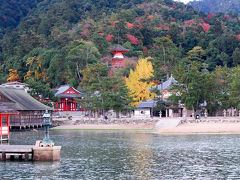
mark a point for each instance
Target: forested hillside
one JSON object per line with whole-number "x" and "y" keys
{"x": 213, "y": 6}
{"x": 59, "y": 38}
{"x": 12, "y": 12}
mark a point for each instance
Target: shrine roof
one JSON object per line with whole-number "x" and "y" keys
{"x": 147, "y": 104}
{"x": 20, "y": 100}
{"x": 167, "y": 84}
{"x": 14, "y": 83}
{"x": 64, "y": 88}
{"x": 118, "y": 48}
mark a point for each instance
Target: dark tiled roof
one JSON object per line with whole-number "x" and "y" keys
{"x": 20, "y": 100}
{"x": 64, "y": 88}
{"x": 147, "y": 104}
{"x": 118, "y": 48}
{"x": 167, "y": 84}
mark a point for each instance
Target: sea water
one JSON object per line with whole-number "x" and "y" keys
{"x": 130, "y": 155}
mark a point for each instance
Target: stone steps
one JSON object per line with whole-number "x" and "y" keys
{"x": 167, "y": 123}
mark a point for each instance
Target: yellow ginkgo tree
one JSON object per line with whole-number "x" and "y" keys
{"x": 139, "y": 89}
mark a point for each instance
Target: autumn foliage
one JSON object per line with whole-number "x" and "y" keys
{"x": 139, "y": 88}
{"x": 132, "y": 39}
{"x": 205, "y": 26}
{"x": 13, "y": 76}
{"x": 109, "y": 37}
{"x": 130, "y": 25}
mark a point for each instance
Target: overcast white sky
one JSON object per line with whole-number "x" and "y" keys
{"x": 184, "y": 1}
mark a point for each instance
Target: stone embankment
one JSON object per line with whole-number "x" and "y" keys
{"x": 102, "y": 121}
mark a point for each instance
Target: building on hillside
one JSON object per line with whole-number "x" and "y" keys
{"x": 68, "y": 98}
{"x": 118, "y": 60}
{"x": 146, "y": 107}
{"x": 30, "y": 111}
{"x": 16, "y": 84}
{"x": 165, "y": 87}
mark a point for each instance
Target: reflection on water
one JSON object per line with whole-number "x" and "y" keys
{"x": 130, "y": 155}
{"x": 141, "y": 155}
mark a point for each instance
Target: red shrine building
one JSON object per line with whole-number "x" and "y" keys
{"x": 118, "y": 59}
{"x": 68, "y": 96}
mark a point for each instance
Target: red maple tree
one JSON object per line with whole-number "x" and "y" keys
{"x": 132, "y": 39}
{"x": 109, "y": 37}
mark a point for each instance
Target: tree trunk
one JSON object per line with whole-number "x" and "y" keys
{"x": 117, "y": 114}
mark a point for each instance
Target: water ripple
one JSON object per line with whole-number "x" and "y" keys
{"x": 131, "y": 155}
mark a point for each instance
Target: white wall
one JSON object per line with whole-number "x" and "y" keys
{"x": 144, "y": 112}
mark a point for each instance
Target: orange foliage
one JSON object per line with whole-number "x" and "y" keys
{"x": 13, "y": 76}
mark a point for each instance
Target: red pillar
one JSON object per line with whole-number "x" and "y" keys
{"x": 1, "y": 125}
{"x": 75, "y": 105}
{"x": 8, "y": 120}
{"x": 64, "y": 105}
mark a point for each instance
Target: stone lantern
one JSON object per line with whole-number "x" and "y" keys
{"x": 46, "y": 124}
{"x": 45, "y": 150}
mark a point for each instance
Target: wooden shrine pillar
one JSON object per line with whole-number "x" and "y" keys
{"x": 4, "y": 126}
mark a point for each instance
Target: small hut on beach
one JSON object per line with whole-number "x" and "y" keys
{"x": 30, "y": 111}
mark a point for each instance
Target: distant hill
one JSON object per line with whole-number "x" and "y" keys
{"x": 213, "y": 6}
{"x": 11, "y": 12}
{"x": 58, "y": 38}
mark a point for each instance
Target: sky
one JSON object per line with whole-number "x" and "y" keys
{"x": 184, "y": 1}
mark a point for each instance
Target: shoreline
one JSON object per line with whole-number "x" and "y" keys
{"x": 186, "y": 128}
{"x": 203, "y": 128}
{"x": 130, "y": 126}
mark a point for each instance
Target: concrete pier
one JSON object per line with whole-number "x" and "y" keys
{"x": 29, "y": 152}
{"x": 46, "y": 153}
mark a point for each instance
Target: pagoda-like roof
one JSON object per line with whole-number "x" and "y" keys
{"x": 63, "y": 92}
{"x": 167, "y": 84}
{"x": 118, "y": 48}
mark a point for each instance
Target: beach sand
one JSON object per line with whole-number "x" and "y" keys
{"x": 142, "y": 126}
{"x": 190, "y": 128}
{"x": 196, "y": 128}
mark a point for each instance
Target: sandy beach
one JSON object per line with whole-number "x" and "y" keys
{"x": 142, "y": 126}
{"x": 188, "y": 128}
{"x": 231, "y": 128}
